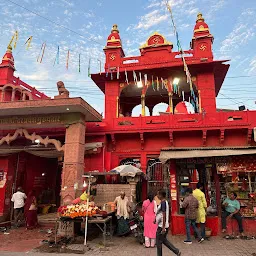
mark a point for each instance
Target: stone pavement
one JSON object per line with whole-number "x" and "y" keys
{"x": 127, "y": 246}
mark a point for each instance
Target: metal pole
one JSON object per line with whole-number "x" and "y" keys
{"x": 86, "y": 219}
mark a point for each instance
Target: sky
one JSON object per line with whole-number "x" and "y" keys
{"x": 82, "y": 26}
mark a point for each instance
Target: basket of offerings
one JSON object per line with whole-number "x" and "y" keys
{"x": 77, "y": 210}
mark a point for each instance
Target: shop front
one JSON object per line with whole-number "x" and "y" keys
{"x": 219, "y": 175}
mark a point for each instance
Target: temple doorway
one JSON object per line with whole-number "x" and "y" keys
{"x": 158, "y": 177}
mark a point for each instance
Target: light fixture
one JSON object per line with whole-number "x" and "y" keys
{"x": 43, "y": 174}
{"x": 37, "y": 141}
{"x": 84, "y": 184}
{"x": 139, "y": 84}
{"x": 67, "y": 109}
{"x": 176, "y": 81}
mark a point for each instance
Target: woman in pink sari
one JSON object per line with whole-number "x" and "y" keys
{"x": 30, "y": 210}
{"x": 149, "y": 209}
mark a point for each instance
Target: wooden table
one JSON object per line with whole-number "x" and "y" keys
{"x": 100, "y": 223}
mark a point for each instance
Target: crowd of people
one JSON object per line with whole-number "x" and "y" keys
{"x": 156, "y": 211}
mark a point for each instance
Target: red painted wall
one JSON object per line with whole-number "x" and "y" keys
{"x": 3, "y": 166}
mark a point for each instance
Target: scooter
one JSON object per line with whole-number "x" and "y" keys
{"x": 137, "y": 226}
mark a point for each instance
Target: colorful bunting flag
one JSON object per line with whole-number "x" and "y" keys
{"x": 126, "y": 76}
{"x": 140, "y": 77}
{"x": 57, "y": 56}
{"x": 135, "y": 78}
{"x": 28, "y": 42}
{"x": 163, "y": 84}
{"x": 79, "y": 63}
{"x": 89, "y": 68}
{"x": 146, "y": 79}
{"x": 157, "y": 83}
{"x": 183, "y": 96}
{"x": 67, "y": 61}
{"x": 118, "y": 74}
{"x": 14, "y": 39}
{"x": 41, "y": 54}
{"x": 153, "y": 85}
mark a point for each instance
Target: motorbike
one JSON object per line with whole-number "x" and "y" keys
{"x": 137, "y": 225}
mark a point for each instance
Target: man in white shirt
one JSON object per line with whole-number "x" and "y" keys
{"x": 18, "y": 199}
{"x": 162, "y": 219}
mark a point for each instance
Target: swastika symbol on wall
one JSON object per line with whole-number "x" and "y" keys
{"x": 112, "y": 57}
{"x": 203, "y": 47}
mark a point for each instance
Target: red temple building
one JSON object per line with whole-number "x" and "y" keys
{"x": 191, "y": 141}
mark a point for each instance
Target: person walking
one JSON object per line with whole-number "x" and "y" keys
{"x": 232, "y": 209}
{"x": 149, "y": 208}
{"x": 162, "y": 220}
{"x": 18, "y": 199}
{"x": 191, "y": 205}
{"x": 201, "y": 212}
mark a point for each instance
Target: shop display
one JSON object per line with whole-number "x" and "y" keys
{"x": 243, "y": 184}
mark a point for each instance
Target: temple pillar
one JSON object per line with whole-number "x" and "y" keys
{"x": 143, "y": 110}
{"x": 2, "y": 95}
{"x": 23, "y": 96}
{"x": 73, "y": 166}
{"x": 170, "y": 103}
{"x": 13, "y": 95}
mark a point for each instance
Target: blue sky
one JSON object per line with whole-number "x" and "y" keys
{"x": 232, "y": 23}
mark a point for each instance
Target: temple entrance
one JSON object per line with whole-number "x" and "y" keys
{"x": 40, "y": 174}
{"x": 158, "y": 177}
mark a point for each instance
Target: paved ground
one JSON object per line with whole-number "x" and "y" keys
{"x": 128, "y": 247}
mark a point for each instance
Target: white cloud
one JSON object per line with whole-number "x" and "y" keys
{"x": 243, "y": 32}
{"x": 252, "y": 66}
{"x": 151, "y": 19}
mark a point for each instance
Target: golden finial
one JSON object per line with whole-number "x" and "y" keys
{"x": 200, "y": 17}
{"x": 115, "y": 29}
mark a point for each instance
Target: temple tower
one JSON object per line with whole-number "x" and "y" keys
{"x": 202, "y": 39}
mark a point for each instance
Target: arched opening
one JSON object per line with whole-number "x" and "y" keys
{"x": 7, "y": 93}
{"x": 137, "y": 111}
{"x": 155, "y": 96}
{"x": 18, "y": 95}
{"x": 184, "y": 107}
{"x": 129, "y": 98}
{"x": 160, "y": 108}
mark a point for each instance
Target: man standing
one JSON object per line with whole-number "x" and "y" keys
{"x": 201, "y": 212}
{"x": 18, "y": 199}
{"x": 232, "y": 208}
{"x": 122, "y": 212}
{"x": 162, "y": 220}
{"x": 191, "y": 205}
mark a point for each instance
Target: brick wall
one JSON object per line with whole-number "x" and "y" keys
{"x": 108, "y": 192}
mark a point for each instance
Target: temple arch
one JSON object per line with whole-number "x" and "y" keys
{"x": 160, "y": 107}
{"x": 137, "y": 111}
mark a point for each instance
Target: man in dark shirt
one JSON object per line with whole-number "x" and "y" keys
{"x": 191, "y": 204}
{"x": 162, "y": 220}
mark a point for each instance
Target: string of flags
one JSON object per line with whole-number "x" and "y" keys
{"x": 186, "y": 70}
{"x": 14, "y": 40}
{"x": 140, "y": 79}
{"x": 41, "y": 53}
